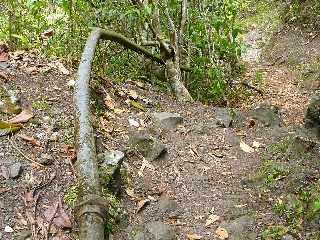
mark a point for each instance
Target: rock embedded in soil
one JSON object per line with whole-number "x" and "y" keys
{"x": 150, "y": 147}
{"x": 239, "y": 228}
{"x": 288, "y": 237}
{"x": 224, "y": 117}
{"x": 267, "y": 114}
{"x": 312, "y": 116}
{"x": 167, "y": 120}
{"x": 11, "y": 170}
{"x": 45, "y": 159}
{"x": 110, "y": 165}
{"x": 137, "y": 235}
{"x": 168, "y": 206}
{"x": 159, "y": 231}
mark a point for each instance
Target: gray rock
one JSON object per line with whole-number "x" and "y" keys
{"x": 11, "y": 170}
{"x": 110, "y": 158}
{"x": 168, "y": 206}
{"x": 45, "y": 159}
{"x": 15, "y": 170}
{"x": 110, "y": 165}
{"x": 137, "y": 235}
{"x": 23, "y": 235}
{"x": 167, "y": 120}
{"x": 312, "y": 116}
{"x": 150, "y": 147}
{"x": 159, "y": 231}
{"x": 239, "y": 228}
{"x": 287, "y": 237}
{"x": 224, "y": 117}
{"x": 268, "y": 115}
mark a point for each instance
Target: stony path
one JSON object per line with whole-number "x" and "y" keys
{"x": 190, "y": 183}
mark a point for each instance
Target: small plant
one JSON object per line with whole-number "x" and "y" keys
{"x": 40, "y": 105}
{"x": 70, "y": 198}
{"x": 274, "y": 233}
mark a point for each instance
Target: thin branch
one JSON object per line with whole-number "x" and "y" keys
{"x": 24, "y": 155}
{"x": 184, "y": 17}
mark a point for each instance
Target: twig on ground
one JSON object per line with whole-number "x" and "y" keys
{"x": 248, "y": 85}
{"x": 24, "y": 155}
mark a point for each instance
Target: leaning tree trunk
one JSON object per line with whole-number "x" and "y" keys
{"x": 174, "y": 77}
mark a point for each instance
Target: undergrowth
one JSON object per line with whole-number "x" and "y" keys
{"x": 289, "y": 176}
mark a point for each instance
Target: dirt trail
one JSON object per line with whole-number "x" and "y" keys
{"x": 199, "y": 187}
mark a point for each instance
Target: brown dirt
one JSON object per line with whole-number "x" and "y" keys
{"x": 200, "y": 182}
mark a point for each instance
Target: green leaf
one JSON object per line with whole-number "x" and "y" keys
{"x": 137, "y": 105}
{"x": 8, "y": 128}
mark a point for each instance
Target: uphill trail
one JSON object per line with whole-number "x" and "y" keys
{"x": 187, "y": 167}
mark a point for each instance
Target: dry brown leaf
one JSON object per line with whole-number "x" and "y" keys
{"x": 194, "y": 237}
{"x": 142, "y": 203}
{"x": 133, "y": 94}
{"x": 22, "y": 117}
{"x": 30, "y": 140}
{"x": 108, "y": 101}
{"x": 48, "y": 33}
{"x": 222, "y": 233}
{"x": 245, "y": 147}
{"x": 4, "y": 57}
{"x": 256, "y": 144}
{"x": 212, "y": 219}
{"x": 62, "y": 68}
{"x": 131, "y": 193}
{"x": 56, "y": 214}
{"x": 32, "y": 70}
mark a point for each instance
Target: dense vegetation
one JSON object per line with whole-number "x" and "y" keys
{"x": 209, "y": 43}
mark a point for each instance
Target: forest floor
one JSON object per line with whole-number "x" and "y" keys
{"x": 204, "y": 175}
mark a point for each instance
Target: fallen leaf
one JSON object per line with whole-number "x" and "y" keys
{"x": 32, "y": 70}
{"x": 4, "y": 57}
{"x": 222, "y": 233}
{"x": 135, "y": 104}
{"x": 217, "y": 154}
{"x": 130, "y": 192}
{"x": 194, "y": 237}
{"x": 48, "y": 33}
{"x": 62, "y": 68}
{"x": 245, "y": 147}
{"x": 108, "y": 101}
{"x": 22, "y": 117}
{"x": 8, "y": 229}
{"x": 30, "y": 140}
{"x": 8, "y": 128}
{"x": 71, "y": 83}
{"x": 142, "y": 203}
{"x": 212, "y": 219}
{"x": 133, "y": 122}
{"x": 256, "y": 144}
{"x": 118, "y": 110}
{"x": 56, "y": 214}
{"x": 133, "y": 94}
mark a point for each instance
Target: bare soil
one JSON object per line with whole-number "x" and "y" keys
{"x": 204, "y": 171}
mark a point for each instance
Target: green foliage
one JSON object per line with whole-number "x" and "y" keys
{"x": 210, "y": 43}
{"x": 71, "y": 196}
{"x": 40, "y": 105}
{"x": 287, "y": 173}
{"x": 274, "y": 233}
{"x": 217, "y": 48}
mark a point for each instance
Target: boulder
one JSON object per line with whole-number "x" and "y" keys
{"x": 167, "y": 120}
{"x": 150, "y": 147}
{"x": 266, "y": 114}
{"x": 240, "y": 228}
{"x": 159, "y": 231}
{"x": 312, "y": 116}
